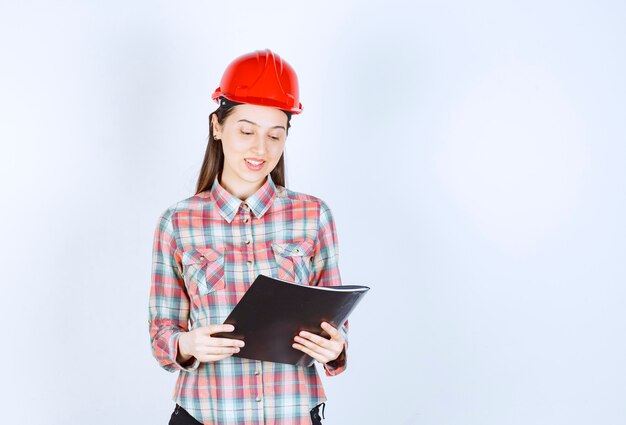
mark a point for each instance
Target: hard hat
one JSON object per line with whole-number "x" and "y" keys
{"x": 260, "y": 78}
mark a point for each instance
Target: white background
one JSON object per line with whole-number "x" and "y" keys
{"x": 472, "y": 153}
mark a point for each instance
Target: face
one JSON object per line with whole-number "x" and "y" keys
{"x": 253, "y": 139}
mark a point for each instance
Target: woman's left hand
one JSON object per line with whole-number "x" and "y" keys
{"x": 321, "y": 349}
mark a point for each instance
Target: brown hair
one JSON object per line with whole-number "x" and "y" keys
{"x": 213, "y": 163}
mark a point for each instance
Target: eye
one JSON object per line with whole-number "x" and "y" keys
{"x": 274, "y": 138}
{"x": 244, "y": 132}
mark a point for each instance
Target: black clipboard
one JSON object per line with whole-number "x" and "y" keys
{"x": 273, "y": 311}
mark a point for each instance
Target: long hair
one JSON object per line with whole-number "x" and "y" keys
{"x": 213, "y": 163}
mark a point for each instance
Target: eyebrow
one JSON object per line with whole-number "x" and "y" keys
{"x": 253, "y": 123}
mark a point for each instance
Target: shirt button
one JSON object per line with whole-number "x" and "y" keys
{"x": 249, "y": 261}
{"x": 245, "y": 220}
{"x": 259, "y": 399}
{"x": 247, "y": 241}
{"x": 257, "y": 372}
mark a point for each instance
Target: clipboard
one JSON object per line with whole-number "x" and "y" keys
{"x": 273, "y": 311}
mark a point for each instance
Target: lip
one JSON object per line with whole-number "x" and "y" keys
{"x": 253, "y": 167}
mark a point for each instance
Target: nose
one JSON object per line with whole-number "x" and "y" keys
{"x": 259, "y": 145}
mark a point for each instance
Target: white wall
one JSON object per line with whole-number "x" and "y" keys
{"x": 473, "y": 154}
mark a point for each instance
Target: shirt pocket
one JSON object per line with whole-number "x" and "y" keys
{"x": 294, "y": 260}
{"x": 203, "y": 269}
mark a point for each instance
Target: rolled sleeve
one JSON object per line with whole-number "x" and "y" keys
{"x": 168, "y": 310}
{"x": 326, "y": 273}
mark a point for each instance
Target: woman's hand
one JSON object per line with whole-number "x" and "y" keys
{"x": 321, "y": 349}
{"x": 200, "y": 344}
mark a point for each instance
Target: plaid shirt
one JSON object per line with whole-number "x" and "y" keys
{"x": 207, "y": 251}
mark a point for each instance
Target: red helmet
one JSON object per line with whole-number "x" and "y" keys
{"x": 260, "y": 78}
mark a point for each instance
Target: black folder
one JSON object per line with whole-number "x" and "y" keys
{"x": 273, "y": 311}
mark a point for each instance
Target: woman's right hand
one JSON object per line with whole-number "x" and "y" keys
{"x": 200, "y": 344}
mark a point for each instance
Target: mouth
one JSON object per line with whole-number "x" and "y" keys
{"x": 254, "y": 165}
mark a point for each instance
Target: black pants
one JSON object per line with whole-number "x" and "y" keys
{"x": 181, "y": 417}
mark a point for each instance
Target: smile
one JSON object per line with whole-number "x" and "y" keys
{"x": 255, "y": 163}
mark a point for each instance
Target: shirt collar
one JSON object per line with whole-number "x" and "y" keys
{"x": 259, "y": 202}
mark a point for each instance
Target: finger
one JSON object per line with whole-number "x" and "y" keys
{"x": 314, "y": 347}
{"x": 320, "y": 358}
{"x": 225, "y": 342}
{"x": 210, "y": 345}
{"x": 332, "y": 331}
{"x": 319, "y": 340}
{"x": 333, "y": 348}
{"x": 221, "y": 350}
{"x": 212, "y": 329}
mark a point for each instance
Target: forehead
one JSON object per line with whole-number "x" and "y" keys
{"x": 264, "y": 116}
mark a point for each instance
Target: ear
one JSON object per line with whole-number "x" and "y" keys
{"x": 217, "y": 128}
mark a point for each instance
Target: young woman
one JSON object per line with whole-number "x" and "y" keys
{"x": 209, "y": 248}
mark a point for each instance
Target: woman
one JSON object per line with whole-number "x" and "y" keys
{"x": 209, "y": 248}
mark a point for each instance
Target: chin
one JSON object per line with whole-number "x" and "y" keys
{"x": 254, "y": 177}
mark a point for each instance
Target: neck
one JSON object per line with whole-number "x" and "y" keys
{"x": 240, "y": 188}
